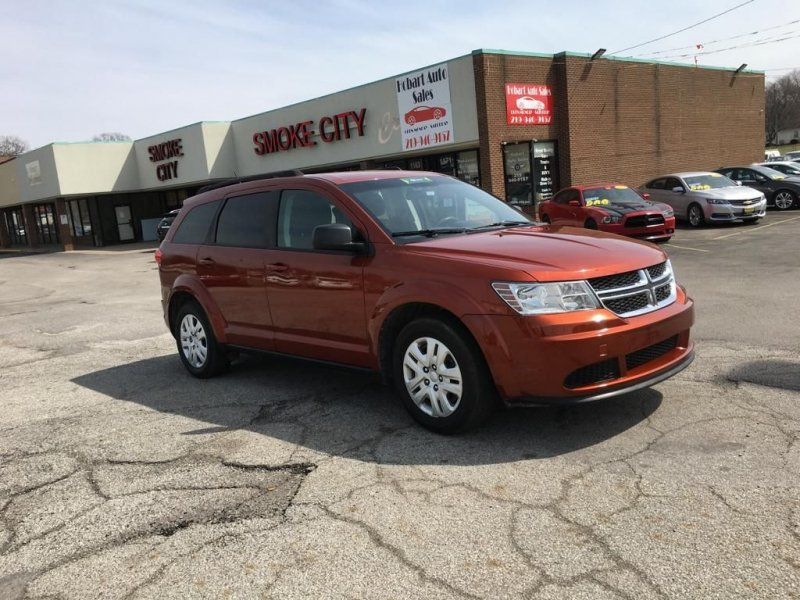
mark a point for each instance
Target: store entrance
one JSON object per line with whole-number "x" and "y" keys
{"x": 124, "y": 223}
{"x": 45, "y": 219}
{"x": 15, "y": 225}
{"x": 531, "y": 172}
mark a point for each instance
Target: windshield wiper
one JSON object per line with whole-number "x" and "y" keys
{"x": 504, "y": 224}
{"x": 430, "y": 232}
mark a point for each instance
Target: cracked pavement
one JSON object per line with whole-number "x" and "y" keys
{"x": 121, "y": 476}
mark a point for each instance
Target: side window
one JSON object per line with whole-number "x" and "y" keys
{"x": 245, "y": 221}
{"x": 656, "y": 184}
{"x": 195, "y": 226}
{"x": 299, "y": 213}
{"x": 561, "y": 197}
{"x": 746, "y": 175}
{"x": 729, "y": 173}
{"x": 673, "y": 182}
{"x": 573, "y": 195}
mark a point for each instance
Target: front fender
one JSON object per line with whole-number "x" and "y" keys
{"x": 453, "y": 299}
{"x": 190, "y": 284}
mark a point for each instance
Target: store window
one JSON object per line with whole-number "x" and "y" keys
{"x": 467, "y": 167}
{"x": 78, "y": 213}
{"x": 463, "y": 165}
{"x": 45, "y": 219}
{"x": 531, "y": 172}
{"x": 15, "y": 225}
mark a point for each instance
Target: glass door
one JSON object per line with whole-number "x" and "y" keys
{"x": 519, "y": 186}
{"x": 124, "y": 223}
{"x": 45, "y": 219}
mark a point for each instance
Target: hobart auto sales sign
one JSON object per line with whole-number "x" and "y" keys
{"x": 423, "y": 102}
{"x": 528, "y": 104}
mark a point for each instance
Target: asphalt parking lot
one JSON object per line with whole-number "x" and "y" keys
{"x": 121, "y": 476}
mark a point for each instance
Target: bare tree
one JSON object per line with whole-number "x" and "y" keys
{"x": 782, "y": 105}
{"x": 11, "y": 145}
{"x": 111, "y": 136}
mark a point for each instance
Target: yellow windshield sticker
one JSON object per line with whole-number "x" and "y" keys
{"x": 597, "y": 201}
{"x": 779, "y": 177}
{"x": 620, "y": 187}
{"x": 698, "y": 187}
{"x": 716, "y": 175}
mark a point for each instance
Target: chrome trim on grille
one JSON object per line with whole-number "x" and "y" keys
{"x": 646, "y": 284}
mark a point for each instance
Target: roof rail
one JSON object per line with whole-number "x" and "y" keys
{"x": 235, "y": 180}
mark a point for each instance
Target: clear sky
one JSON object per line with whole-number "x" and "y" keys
{"x": 69, "y": 70}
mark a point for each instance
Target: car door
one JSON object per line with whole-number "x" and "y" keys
{"x": 232, "y": 266}
{"x": 757, "y": 181}
{"x": 316, "y": 297}
{"x": 557, "y": 207}
{"x": 655, "y": 189}
{"x": 679, "y": 201}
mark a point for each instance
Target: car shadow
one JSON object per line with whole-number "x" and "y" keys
{"x": 346, "y": 413}
{"x": 776, "y": 373}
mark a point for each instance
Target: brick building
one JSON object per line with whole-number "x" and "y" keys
{"x": 520, "y": 125}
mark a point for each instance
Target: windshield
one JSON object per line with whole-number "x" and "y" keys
{"x": 431, "y": 205}
{"x": 611, "y": 194}
{"x": 712, "y": 181}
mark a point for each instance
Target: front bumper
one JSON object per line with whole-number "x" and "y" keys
{"x": 532, "y": 359}
{"x": 727, "y": 213}
{"x": 661, "y": 231}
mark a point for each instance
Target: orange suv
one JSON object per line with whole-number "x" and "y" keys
{"x": 452, "y": 295}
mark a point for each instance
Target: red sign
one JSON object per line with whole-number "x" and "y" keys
{"x": 528, "y": 104}
{"x": 331, "y": 129}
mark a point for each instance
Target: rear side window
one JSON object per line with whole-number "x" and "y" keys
{"x": 300, "y": 212}
{"x": 245, "y": 221}
{"x": 656, "y": 184}
{"x": 195, "y": 226}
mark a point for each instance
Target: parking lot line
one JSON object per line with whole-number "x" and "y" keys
{"x": 722, "y": 237}
{"x": 685, "y": 247}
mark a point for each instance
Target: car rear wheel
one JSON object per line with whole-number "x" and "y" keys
{"x": 441, "y": 376}
{"x": 784, "y": 199}
{"x": 199, "y": 350}
{"x": 695, "y": 216}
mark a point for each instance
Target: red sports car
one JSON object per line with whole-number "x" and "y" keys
{"x": 424, "y": 113}
{"x": 610, "y": 207}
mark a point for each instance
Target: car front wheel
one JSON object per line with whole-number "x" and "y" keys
{"x": 695, "y": 216}
{"x": 784, "y": 200}
{"x": 441, "y": 376}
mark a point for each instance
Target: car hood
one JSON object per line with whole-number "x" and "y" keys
{"x": 548, "y": 253}
{"x": 729, "y": 193}
{"x": 623, "y": 208}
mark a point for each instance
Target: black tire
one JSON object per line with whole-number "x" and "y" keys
{"x": 546, "y": 219}
{"x": 785, "y": 195}
{"x": 479, "y": 396}
{"x": 216, "y": 359}
{"x": 699, "y": 219}
{"x": 590, "y": 224}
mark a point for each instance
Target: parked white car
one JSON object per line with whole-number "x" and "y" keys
{"x": 787, "y": 167}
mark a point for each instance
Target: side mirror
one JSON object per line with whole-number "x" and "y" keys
{"x": 574, "y": 203}
{"x": 645, "y": 195}
{"x": 679, "y": 189}
{"x": 336, "y": 236}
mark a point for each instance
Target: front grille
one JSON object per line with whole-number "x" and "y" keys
{"x": 616, "y": 281}
{"x": 595, "y": 373}
{"x": 657, "y": 271}
{"x": 663, "y": 292}
{"x": 628, "y": 304}
{"x": 744, "y": 202}
{"x": 636, "y": 292}
{"x": 645, "y": 355}
{"x": 644, "y": 220}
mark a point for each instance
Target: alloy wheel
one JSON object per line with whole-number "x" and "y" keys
{"x": 432, "y": 377}
{"x": 194, "y": 343}
{"x": 694, "y": 216}
{"x": 784, "y": 200}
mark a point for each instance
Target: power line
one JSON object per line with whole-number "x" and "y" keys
{"x": 761, "y": 42}
{"x": 733, "y": 37}
{"x": 663, "y": 37}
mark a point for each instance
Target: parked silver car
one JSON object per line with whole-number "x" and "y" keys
{"x": 702, "y": 197}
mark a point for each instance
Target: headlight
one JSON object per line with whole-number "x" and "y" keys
{"x": 716, "y": 201}
{"x": 547, "y": 298}
{"x": 610, "y": 219}
{"x": 668, "y": 212}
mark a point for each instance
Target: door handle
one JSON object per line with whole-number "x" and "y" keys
{"x": 207, "y": 261}
{"x": 276, "y": 268}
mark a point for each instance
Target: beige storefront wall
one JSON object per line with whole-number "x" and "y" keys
{"x": 9, "y": 190}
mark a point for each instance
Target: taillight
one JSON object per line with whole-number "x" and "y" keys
{"x": 159, "y": 254}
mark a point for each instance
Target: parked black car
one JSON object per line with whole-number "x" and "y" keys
{"x": 165, "y": 223}
{"x": 782, "y": 191}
